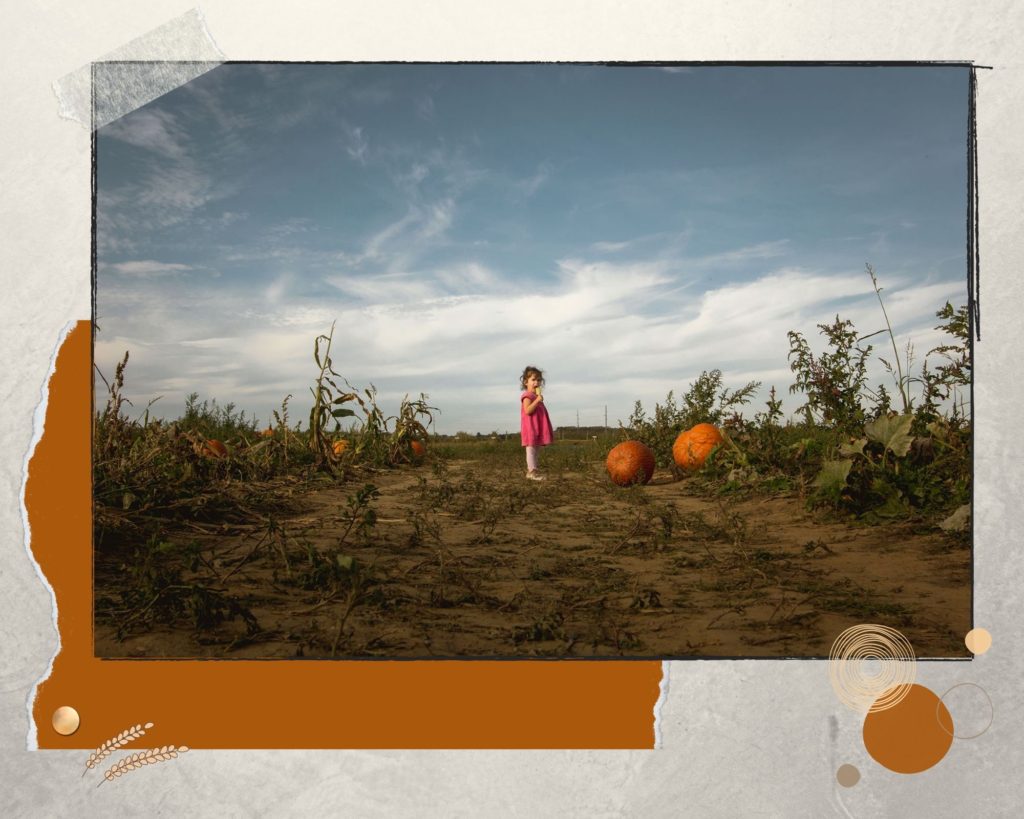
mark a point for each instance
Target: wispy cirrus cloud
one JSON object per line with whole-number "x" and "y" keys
{"x": 356, "y": 143}
{"x": 152, "y": 129}
{"x": 762, "y": 250}
{"x": 534, "y": 183}
{"x": 396, "y": 247}
{"x": 148, "y": 268}
{"x": 611, "y": 247}
{"x": 165, "y": 194}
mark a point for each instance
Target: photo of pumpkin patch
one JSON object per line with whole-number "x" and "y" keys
{"x": 729, "y": 312}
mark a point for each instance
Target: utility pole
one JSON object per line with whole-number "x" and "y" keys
{"x": 606, "y": 416}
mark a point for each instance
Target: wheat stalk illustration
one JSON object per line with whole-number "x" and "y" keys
{"x": 140, "y": 759}
{"x": 112, "y": 744}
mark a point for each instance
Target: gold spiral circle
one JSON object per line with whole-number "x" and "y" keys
{"x": 871, "y": 667}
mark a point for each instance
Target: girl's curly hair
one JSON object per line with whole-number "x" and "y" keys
{"x": 527, "y": 373}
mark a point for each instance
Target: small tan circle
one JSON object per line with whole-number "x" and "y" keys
{"x": 847, "y": 776}
{"x": 978, "y": 640}
{"x": 65, "y": 720}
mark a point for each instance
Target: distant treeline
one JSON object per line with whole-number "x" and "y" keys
{"x": 561, "y": 433}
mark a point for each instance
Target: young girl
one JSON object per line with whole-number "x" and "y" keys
{"x": 535, "y": 425}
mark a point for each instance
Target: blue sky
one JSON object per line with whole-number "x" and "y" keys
{"x": 623, "y": 228}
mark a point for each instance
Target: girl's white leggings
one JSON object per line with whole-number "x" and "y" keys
{"x": 531, "y": 458}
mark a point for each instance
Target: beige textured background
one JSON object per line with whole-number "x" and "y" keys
{"x": 738, "y": 738}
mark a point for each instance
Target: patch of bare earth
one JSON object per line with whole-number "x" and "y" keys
{"x": 471, "y": 560}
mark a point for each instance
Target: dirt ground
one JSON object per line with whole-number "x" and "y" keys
{"x": 467, "y": 559}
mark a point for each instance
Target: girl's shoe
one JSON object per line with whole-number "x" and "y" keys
{"x": 534, "y": 476}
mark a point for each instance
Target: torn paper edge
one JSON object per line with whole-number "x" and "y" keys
{"x": 139, "y": 71}
{"x": 38, "y": 429}
{"x": 659, "y": 704}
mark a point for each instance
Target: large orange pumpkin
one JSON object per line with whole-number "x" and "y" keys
{"x": 630, "y": 462}
{"x": 419, "y": 450}
{"x": 215, "y": 449}
{"x": 692, "y": 447}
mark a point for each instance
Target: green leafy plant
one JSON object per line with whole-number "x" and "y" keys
{"x": 949, "y": 380}
{"x": 833, "y": 380}
{"x": 705, "y": 401}
{"x": 874, "y": 474}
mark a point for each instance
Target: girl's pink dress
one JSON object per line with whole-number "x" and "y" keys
{"x": 536, "y": 428}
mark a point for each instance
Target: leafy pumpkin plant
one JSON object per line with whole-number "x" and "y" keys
{"x": 868, "y": 476}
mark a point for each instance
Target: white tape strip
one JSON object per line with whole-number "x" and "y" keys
{"x": 139, "y": 71}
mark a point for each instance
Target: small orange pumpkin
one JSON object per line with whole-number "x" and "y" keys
{"x": 268, "y": 432}
{"x": 340, "y": 446}
{"x": 419, "y": 450}
{"x": 630, "y": 462}
{"x": 692, "y": 447}
{"x": 214, "y": 449}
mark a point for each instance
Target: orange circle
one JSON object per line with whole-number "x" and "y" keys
{"x": 907, "y": 738}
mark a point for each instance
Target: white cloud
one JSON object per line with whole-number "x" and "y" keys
{"x": 762, "y": 250}
{"x": 608, "y": 333}
{"x": 375, "y": 246}
{"x": 166, "y": 196}
{"x": 469, "y": 278}
{"x": 395, "y": 248}
{"x": 413, "y": 177}
{"x": 436, "y": 219}
{"x": 290, "y": 227}
{"x": 532, "y": 184}
{"x": 610, "y": 247}
{"x": 148, "y": 268}
{"x": 151, "y": 128}
{"x": 357, "y": 145}
{"x": 278, "y": 288}
{"x": 380, "y": 289}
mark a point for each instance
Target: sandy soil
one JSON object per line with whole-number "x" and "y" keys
{"x": 468, "y": 559}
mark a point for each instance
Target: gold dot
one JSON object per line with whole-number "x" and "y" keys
{"x": 978, "y": 640}
{"x": 65, "y": 720}
{"x": 847, "y": 776}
